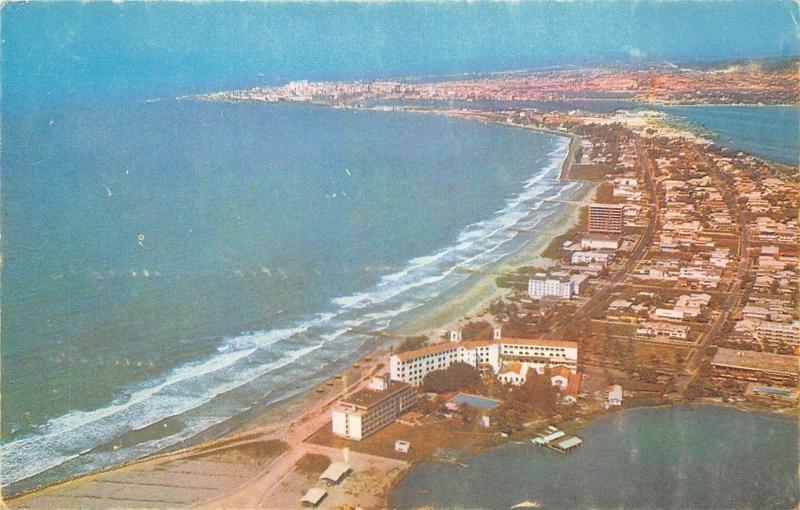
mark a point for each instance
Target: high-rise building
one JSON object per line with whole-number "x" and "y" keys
{"x": 606, "y": 218}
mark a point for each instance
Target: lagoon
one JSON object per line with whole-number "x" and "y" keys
{"x": 687, "y": 456}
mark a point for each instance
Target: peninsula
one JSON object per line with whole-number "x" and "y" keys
{"x": 676, "y": 282}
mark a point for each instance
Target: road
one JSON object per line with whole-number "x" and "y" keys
{"x": 735, "y": 293}
{"x": 641, "y": 247}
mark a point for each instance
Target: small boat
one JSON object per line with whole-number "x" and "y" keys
{"x": 527, "y": 504}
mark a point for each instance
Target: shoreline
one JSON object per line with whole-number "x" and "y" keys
{"x": 575, "y": 425}
{"x": 292, "y": 409}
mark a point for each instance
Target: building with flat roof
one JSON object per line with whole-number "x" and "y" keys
{"x": 366, "y": 411}
{"x": 601, "y": 242}
{"x": 666, "y": 329}
{"x": 615, "y": 396}
{"x": 606, "y": 218}
{"x": 756, "y": 366}
{"x": 562, "y": 286}
{"x": 779, "y": 333}
{"x": 541, "y": 285}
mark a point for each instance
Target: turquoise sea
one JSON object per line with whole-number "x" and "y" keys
{"x": 686, "y": 457}
{"x": 169, "y": 265}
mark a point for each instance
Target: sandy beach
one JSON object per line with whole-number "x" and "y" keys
{"x": 182, "y": 478}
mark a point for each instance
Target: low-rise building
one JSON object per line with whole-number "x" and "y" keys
{"x": 588, "y": 257}
{"x": 666, "y": 329}
{"x": 514, "y": 373}
{"x": 614, "y": 396}
{"x": 756, "y": 366}
{"x": 601, "y": 242}
{"x": 780, "y": 333}
{"x": 368, "y": 410}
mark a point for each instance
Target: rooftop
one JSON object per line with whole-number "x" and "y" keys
{"x": 335, "y": 471}
{"x": 608, "y": 206}
{"x": 428, "y": 349}
{"x": 367, "y": 398}
{"x": 314, "y": 496}
{"x": 540, "y": 341}
{"x": 752, "y": 360}
{"x": 446, "y": 346}
{"x": 602, "y": 237}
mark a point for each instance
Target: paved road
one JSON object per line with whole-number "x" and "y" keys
{"x": 641, "y": 247}
{"x": 735, "y": 293}
{"x": 259, "y": 491}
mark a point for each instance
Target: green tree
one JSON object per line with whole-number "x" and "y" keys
{"x": 436, "y": 382}
{"x": 462, "y": 376}
{"x": 458, "y": 377}
{"x": 536, "y": 394}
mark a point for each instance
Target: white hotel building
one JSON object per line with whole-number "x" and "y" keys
{"x": 561, "y": 286}
{"x": 411, "y": 367}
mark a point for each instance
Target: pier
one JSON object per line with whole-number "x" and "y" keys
{"x": 566, "y": 445}
{"x": 557, "y": 440}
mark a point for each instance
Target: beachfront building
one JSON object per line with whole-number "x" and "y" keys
{"x": 368, "y": 410}
{"x": 606, "y": 218}
{"x": 756, "y": 366}
{"x": 542, "y": 285}
{"x": 485, "y": 355}
{"x": 601, "y": 242}
{"x": 562, "y": 286}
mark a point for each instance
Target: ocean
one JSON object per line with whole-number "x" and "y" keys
{"x": 170, "y": 264}
{"x": 682, "y": 457}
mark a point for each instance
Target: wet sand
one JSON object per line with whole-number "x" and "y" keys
{"x": 300, "y": 412}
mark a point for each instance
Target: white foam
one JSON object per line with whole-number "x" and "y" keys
{"x": 82, "y": 428}
{"x": 62, "y": 439}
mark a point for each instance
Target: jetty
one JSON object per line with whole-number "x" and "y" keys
{"x": 557, "y": 440}
{"x": 547, "y": 435}
{"x": 566, "y": 445}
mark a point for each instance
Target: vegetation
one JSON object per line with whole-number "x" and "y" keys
{"x": 458, "y": 376}
{"x": 518, "y": 279}
{"x": 312, "y": 464}
{"x": 479, "y": 330}
{"x": 554, "y": 250}
{"x": 536, "y": 395}
{"x": 605, "y": 193}
{"x": 412, "y": 343}
{"x": 257, "y": 452}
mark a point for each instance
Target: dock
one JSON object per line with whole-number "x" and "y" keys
{"x": 557, "y": 440}
{"x": 547, "y": 435}
{"x": 566, "y": 445}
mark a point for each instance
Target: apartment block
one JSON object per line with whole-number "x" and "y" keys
{"x": 606, "y": 218}
{"x": 368, "y": 410}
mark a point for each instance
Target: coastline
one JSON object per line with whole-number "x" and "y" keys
{"x": 479, "y": 292}
{"x": 476, "y": 294}
{"x": 578, "y": 425}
